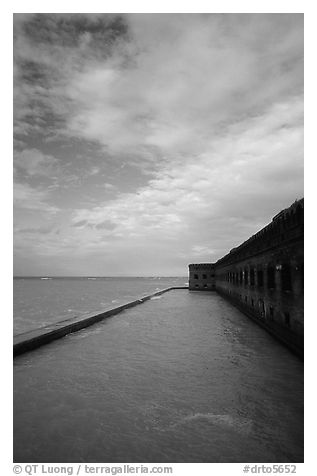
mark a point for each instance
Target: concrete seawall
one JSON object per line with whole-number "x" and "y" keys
{"x": 36, "y": 338}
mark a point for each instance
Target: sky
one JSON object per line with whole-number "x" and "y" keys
{"x": 145, "y": 142}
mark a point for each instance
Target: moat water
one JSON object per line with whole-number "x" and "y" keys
{"x": 42, "y": 301}
{"x": 184, "y": 377}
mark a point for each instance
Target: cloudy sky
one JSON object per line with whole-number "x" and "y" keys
{"x": 145, "y": 142}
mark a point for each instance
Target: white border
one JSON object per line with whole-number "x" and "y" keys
{"x": 276, "y": 6}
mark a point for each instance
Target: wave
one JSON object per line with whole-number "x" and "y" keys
{"x": 242, "y": 425}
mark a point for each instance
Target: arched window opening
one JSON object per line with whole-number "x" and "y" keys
{"x": 271, "y": 277}
{"x": 252, "y": 276}
{"x": 286, "y": 277}
{"x": 261, "y": 308}
{"x": 301, "y": 269}
{"x": 287, "y": 319}
{"x": 260, "y": 278}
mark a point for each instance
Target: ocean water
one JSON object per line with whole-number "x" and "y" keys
{"x": 184, "y": 377}
{"x": 41, "y": 301}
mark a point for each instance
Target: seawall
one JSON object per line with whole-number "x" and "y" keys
{"x": 36, "y": 338}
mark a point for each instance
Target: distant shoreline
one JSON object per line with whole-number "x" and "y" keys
{"x": 98, "y": 277}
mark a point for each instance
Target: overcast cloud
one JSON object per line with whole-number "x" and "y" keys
{"x": 145, "y": 142}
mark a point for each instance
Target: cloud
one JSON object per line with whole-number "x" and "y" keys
{"x": 145, "y": 83}
{"x": 106, "y": 225}
{"x": 49, "y": 49}
{"x": 185, "y": 130}
{"x": 94, "y": 171}
{"x": 30, "y": 198}
{"x": 34, "y": 162}
{"x": 202, "y": 251}
{"x": 80, "y": 223}
{"x": 35, "y": 230}
{"x": 248, "y": 173}
{"x": 141, "y": 106}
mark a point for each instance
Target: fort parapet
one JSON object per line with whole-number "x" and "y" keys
{"x": 202, "y": 276}
{"x": 264, "y": 276}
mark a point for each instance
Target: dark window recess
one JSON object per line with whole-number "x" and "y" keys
{"x": 252, "y": 302}
{"x": 260, "y": 278}
{"x": 252, "y": 277}
{"x": 196, "y": 286}
{"x": 204, "y": 276}
{"x": 271, "y": 312}
{"x": 261, "y": 308}
{"x": 301, "y": 269}
{"x": 286, "y": 277}
{"x": 195, "y": 276}
{"x": 241, "y": 277}
{"x": 246, "y": 298}
{"x": 205, "y": 285}
{"x": 212, "y": 275}
{"x": 245, "y": 276}
{"x": 287, "y": 319}
{"x": 270, "y": 277}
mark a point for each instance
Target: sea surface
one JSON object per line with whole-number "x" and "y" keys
{"x": 183, "y": 377}
{"x": 41, "y": 301}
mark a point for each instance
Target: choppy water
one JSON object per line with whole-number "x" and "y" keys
{"x": 182, "y": 378}
{"x": 42, "y": 301}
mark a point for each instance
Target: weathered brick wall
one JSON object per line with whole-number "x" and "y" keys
{"x": 264, "y": 276}
{"x": 201, "y": 277}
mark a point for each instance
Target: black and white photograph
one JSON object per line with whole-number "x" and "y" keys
{"x": 158, "y": 232}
